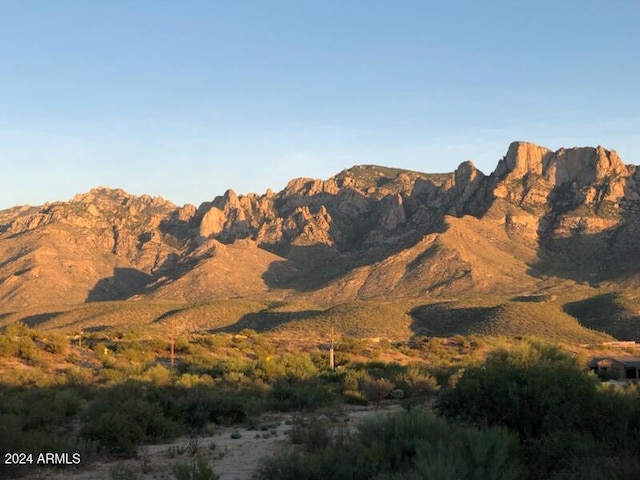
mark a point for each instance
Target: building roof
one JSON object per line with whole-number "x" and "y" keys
{"x": 626, "y": 361}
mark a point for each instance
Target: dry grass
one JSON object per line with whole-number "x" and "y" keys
{"x": 375, "y": 176}
{"x": 614, "y": 314}
{"x": 511, "y": 318}
{"x": 356, "y": 319}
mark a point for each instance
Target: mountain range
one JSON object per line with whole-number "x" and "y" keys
{"x": 542, "y": 222}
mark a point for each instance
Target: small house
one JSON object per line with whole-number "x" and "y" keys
{"x": 617, "y": 368}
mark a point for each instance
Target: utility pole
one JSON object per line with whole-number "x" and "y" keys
{"x": 332, "y": 363}
{"x": 173, "y": 344}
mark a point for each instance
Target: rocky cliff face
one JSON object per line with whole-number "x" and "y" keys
{"x": 589, "y": 176}
{"x": 369, "y": 231}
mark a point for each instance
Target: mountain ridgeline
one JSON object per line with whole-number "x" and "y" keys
{"x": 542, "y": 222}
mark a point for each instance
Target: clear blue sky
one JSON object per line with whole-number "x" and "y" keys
{"x": 185, "y": 99}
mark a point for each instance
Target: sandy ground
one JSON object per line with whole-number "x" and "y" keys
{"x": 232, "y": 458}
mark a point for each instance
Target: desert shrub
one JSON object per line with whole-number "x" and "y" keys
{"x": 8, "y": 348}
{"x": 526, "y": 389}
{"x": 188, "y": 380}
{"x": 313, "y": 434}
{"x": 197, "y": 469}
{"x": 218, "y": 341}
{"x": 376, "y": 369}
{"x": 160, "y": 346}
{"x": 233, "y": 368}
{"x": 182, "y": 344}
{"x": 34, "y": 378}
{"x": 320, "y": 359}
{"x": 27, "y": 349}
{"x": 16, "y": 435}
{"x": 262, "y": 345}
{"x": 158, "y": 375}
{"x": 414, "y": 380}
{"x": 564, "y": 422}
{"x": 424, "y": 385}
{"x": 44, "y": 408}
{"x": 229, "y": 409}
{"x": 76, "y": 376}
{"x": 375, "y": 389}
{"x": 137, "y": 356}
{"x": 352, "y": 379}
{"x": 417, "y": 381}
{"x": 120, "y": 471}
{"x": 355, "y": 346}
{"x": 412, "y": 445}
{"x": 290, "y": 366}
{"x": 123, "y": 416}
{"x": 115, "y": 433}
{"x": 100, "y": 348}
{"x": 55, "y": 343}
{"x": 119, "y": 431}
{"x": 197, "y": 406}
{"x": 68, "y": 402}
{"x": 297, "y": 366}
{"x": 300, "y": 395}
{"x": 113, "y": 376}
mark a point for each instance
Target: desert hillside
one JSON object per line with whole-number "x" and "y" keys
{"x": 542, "y": 222}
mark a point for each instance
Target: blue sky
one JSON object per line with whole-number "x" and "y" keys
{"x": 184, "y": 99}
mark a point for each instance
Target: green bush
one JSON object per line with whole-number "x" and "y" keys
{"x": 8, "y": 348}
{"x": 55, "y": 343}
{"x": 123, "y": 416}
{"x": 564, "y": 421}
{"x": 313, "y": 435}
{"x": 533, "y": 390}
{"x": 76, "y": 376}
{"x": 413, "y": 445}
{"x": 375, "y": 390}
{"x": 418, "y": 382}
{"x": 115, "y": 433}
{"x": 196, "y": 469}
{"x": 307, "y": 395}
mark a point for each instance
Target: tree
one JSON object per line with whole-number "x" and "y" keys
{"x": 566, "y": 423}
{"x": 534, "y": 390}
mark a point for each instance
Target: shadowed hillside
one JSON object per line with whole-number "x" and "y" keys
{"x": 617, "y": 314}
{"x": 596, "y": 318}
{"x": 512, "y": 318}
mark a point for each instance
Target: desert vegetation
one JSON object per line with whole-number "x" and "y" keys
{"x": 119, "y": 390}
{"x": 530, "y": 412}
{"x": 475, "y": 407}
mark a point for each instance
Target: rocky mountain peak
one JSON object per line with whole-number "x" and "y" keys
{"x": 117, "y": 196}
{"x": 523, "y": 158}
{"x": 310, "y": 187}
{"x": 466, "y": 173}
{"x": 315, "y": 231}
{"x": 582, "y": 165}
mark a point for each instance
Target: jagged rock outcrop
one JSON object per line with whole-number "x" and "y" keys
{"x": 392, "y": 214}
{"x": 104, "y": 244}
{"x": 594, "y": 175}
{"x": 369, "y": 231}
{"x": 212, "y": 222}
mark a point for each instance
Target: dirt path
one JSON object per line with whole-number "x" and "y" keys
{"x": 234, "y": 451}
